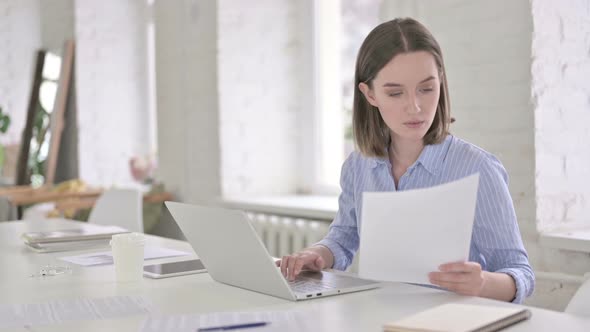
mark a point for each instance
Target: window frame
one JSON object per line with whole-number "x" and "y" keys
{"x": 321, "y": 162}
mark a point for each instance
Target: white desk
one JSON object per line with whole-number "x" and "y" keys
{"x": 363, "y": 311}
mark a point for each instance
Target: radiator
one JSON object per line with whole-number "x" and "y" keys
{"x": 285, "y": 235}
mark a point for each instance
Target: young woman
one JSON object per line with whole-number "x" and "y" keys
{"x": 401, "y": 121}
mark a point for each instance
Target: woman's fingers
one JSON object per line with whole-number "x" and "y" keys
{"x": 460, "y": 267}
{"x": 285, "y": 264}
{"x": 297, "y": 266}
{"x": 461, "y": 277}
{"x": 291, "y": 268}
{"x": 319, "y": 263}
{"x": 448, "y": 277}
{"x": 292, "y": 265}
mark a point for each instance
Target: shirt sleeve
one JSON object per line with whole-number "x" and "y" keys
{"x": 496, "y": 233}
{"x": 343, "y": 238}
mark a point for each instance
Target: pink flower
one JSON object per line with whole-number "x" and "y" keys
{"x": 141, "y": 168}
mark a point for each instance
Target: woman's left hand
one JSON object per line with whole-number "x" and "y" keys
{"x": 466, "y": 278}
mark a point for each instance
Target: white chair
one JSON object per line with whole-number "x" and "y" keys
{"x": 580, "y": 303}
{"x": 119, "y": 207}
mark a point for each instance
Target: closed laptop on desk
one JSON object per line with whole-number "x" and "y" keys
{"x": 233, "y": 254}
{"x": 86, "y": 236}
{"x": 85, "y": 232}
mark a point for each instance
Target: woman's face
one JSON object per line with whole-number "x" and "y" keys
{"x": 406, "y": 92}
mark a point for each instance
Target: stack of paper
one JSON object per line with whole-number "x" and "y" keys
{"x": 88, "y": 236}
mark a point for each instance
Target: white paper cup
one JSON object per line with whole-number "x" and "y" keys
{"x": 128, "y": 253}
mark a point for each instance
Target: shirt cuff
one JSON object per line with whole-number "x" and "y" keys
{"x": 521, "y": 282}
{"x": 340, "y": 257}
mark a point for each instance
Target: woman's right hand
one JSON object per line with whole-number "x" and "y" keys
{"x": 307, "y": 259}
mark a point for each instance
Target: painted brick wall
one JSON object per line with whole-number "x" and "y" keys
{"x": 112, "y": 88}
{"x": 561, "y": 94}
{"x": 19, "y": 38}
{"x": 260, "y": 73}
{"x": 488, "y": 53}
{"x": 487, "y": 47}
{"x": 561, "y": 67}
{"x": 499, "y": 54}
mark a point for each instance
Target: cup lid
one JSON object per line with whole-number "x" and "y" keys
{"x": 128, "y": 239}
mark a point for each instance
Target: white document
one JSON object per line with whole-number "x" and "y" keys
{"x": 106, "y": 257}
{"x": 407, "y": 234}
{"x": 275, "y": 321}
{"x": 55, "y": 312}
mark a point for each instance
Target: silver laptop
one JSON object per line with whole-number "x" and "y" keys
{"x": 233, "y": 254}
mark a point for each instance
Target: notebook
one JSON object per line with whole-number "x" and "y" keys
{"x": 87, "y": 232}
{"x": 459, "y": 317}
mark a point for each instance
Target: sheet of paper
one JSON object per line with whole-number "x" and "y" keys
{"x": 407, "y": 234}
{"x": 277, "y": 321}
{"x": 55, "y": 312}
{"x": 106, "y": 257}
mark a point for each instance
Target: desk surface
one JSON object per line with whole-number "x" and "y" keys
{"x": 363, "y": 311}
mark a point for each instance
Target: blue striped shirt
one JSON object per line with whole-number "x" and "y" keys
{"x": 496, "y": 243}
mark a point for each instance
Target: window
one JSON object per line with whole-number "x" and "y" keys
{"x": 339, "y": 27}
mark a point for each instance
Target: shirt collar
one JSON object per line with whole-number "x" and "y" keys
{"x": 433, "y": 155}
{"x": 380, "y": 161}
{"x": 430, "y": 158}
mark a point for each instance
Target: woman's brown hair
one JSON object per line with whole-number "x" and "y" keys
{"x": 401, "y": 35}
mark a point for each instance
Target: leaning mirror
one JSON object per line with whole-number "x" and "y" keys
{"x": 44, "y": 124}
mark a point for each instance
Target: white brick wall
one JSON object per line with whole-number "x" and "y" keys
{"x": 19, "y": 39}
{"x": 488, "y": 67}
{"x": 488, "y": 47}
{"x": 111, "y": 68}
{"x": 487, "y": 52}
{"x": 561, "y": 67}
{"x": 561, "y": 94}
{"x": 260, "y": 71}
{"x": 487, "y": 56}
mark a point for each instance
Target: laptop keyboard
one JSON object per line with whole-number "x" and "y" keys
{"x": 308, "y": 285}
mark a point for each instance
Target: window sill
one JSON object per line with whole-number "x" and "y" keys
{"x": 571, "y": 239}
{"x": 311, "y": 207}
